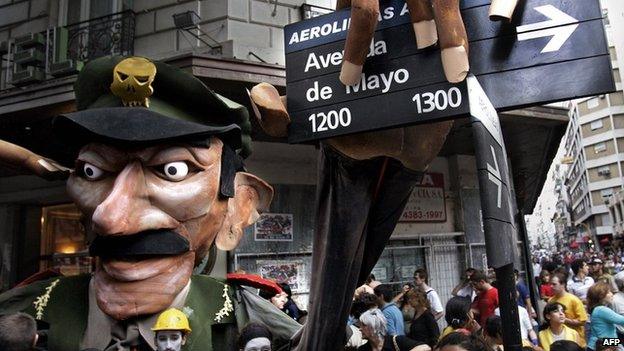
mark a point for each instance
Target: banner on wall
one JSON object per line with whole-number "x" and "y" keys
{"x": 289, "y": 272}
{"x": 274, "y": 227}
{"x": 426, "y": 202}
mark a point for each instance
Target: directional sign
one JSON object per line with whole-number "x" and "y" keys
{"x": 402, "y": 85}
{"x": 560, "y": 27}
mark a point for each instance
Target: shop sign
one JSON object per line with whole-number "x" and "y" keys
{"x": 426, "y": 202}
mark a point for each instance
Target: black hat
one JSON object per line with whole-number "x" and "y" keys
{"x": 252, "y": 331}
{"x": 136, "y": 102}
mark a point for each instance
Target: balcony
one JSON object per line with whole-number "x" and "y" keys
{"x": 57, "y": 52}
{"x": 310, "y": 11}
{"x": 102, "y": 36}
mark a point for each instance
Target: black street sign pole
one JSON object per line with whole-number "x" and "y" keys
{"x": 498, "y": 221}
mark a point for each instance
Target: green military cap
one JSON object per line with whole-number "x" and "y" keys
{"x": 132, "y": 101}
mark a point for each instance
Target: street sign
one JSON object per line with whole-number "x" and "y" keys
{"x": 563, "y": 40}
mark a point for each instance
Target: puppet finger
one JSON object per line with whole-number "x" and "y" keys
{"x": 502, "y": 9}
{"x": 364, "y": 15}
{"x": 270, "y": 109}
{"x": 453, "y": 39}
{"x": 25, "y": 161}
{"x": 421, "y": 14}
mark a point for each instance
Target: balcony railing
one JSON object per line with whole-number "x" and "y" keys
{"x": 309, "y": 11}
{"x": 102, "y": 36}
{"x": 62, "y": 51}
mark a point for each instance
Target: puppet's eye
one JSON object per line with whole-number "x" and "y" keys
{"x": 92, "y": 172}
{"x": 175, "y": 171}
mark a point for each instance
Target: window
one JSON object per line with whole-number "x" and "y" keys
{"x": 593, "y": 103}
{"x": 74, "y": 11}
{"x": 64, "y": 244}
{"x": 606, "y": 193}
{"x": 600, "y": 147}
{"x": 596, "y": 124}
{"x": 606, "y": 219}
{"x": 604, "y": 171}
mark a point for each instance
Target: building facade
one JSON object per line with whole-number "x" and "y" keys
{"x": 595, "y": 145}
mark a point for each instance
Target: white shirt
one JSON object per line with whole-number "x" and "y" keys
{"x": 467, "y": 291}
{"x": 525, "y": 321}
{"x": 580, "y": 287}
{"x": 537, "y": 268}
{"x": 434, "y": 300}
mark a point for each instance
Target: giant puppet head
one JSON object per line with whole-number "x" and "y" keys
{"x": 157, "y": 185}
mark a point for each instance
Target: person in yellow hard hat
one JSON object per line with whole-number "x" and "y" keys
{"x": 171, "y": 329}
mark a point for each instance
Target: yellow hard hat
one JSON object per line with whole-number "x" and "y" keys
{"x": 172, "y": 319}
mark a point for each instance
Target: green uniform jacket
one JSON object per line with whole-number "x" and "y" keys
{"x": 67, "y": 308}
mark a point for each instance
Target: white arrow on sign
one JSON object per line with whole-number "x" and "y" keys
{"x": 564, "y": 25}
{"x": 494, "y": 176}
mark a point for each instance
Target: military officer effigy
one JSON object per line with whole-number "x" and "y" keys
{"x": 157, "y": 173}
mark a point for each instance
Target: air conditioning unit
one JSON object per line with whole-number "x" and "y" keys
{"x": 604, "y": 172}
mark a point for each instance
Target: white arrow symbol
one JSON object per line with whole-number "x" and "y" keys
{"x": 494, "y": 176}
{"x": 564, "y": 25}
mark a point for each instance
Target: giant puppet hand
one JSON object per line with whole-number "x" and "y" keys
{"x": 23, "y": 161}
{"x": 432, "y": 20}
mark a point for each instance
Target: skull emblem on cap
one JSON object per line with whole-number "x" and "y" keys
{"x": 132, "y": 81}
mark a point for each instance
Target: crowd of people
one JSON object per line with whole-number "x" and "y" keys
{"x": 583, "y": 297}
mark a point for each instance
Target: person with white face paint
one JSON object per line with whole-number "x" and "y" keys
{"x": 171, "y": 329}
{"x": 170, "y": 340}
{"x": 255, "y": 337}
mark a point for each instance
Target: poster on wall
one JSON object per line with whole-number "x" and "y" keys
{"x": 274, "y": 227}
{"x": 426, "y": 202}
{"x": 289, "y": 272}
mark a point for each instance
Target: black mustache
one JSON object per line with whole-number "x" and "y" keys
{"x": 148, "y": 243}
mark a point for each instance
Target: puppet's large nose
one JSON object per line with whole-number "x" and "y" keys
{"x": 127, "y": 209}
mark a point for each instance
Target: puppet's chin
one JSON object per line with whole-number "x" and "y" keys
{"x": 130, "y": 288}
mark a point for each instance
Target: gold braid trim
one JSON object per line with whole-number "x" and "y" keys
{"x": 227, "y": 305}
{"x": 42, "y": 301}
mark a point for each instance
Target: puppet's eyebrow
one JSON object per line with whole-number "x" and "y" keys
{"x": 103, "y": 158}
{"x": 170, "y": 154}
{"x": 103, "y": 153}
{"x": 96, "y": 159}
